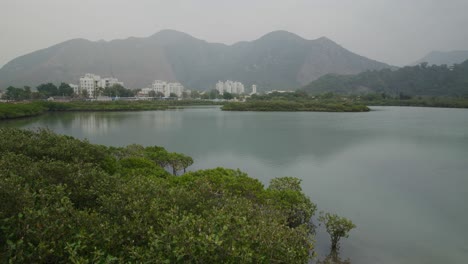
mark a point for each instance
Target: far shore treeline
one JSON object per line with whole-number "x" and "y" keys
{"x": 421, "y": 80}
{"x": 28, "y": 109}
{"x": 77, "y": 202}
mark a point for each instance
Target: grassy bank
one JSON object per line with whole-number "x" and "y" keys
{"x": 444, "y": 102}
{"x": 295, "y": 106}
{"x": 10, "y": 111}
{"x": 27, "y": 109}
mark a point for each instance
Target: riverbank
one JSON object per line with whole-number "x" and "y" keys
{"x": 295, "y": 106}
{"x": 442, "y": 102}
{"x": 29, "y": 109}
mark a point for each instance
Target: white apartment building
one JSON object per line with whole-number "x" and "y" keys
{"x": 175, "y": 88}
{"x": 220, "y": 87}
{"x": 165, "y": 88}
{"x": 254, "y": 89}
{"x": 90, "y": 82}
{"x": 109, "y": 82}
{"x": 230, "y": 87}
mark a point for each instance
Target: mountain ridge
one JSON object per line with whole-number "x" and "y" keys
{"x": 444, "y": 57}
{"x": 277, "y": 60}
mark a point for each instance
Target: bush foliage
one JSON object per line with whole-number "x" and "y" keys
{"x": 68, "y": 201}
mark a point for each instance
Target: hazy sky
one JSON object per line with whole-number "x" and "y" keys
{"x": 393, "y": 31}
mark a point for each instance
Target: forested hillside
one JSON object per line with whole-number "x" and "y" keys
{"x": 420, "y": 80}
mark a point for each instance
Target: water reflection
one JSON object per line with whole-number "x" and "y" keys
{"x": 334, "y": 258}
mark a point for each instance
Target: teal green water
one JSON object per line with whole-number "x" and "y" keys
{"x": 401, "y": 174}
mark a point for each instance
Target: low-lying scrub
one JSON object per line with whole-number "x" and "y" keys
{"x": 295, "y": 106}
{"x": 76, "y": 202}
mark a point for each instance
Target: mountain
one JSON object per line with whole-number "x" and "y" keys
{"x": 419, "y": 80}
{"x": 444, "y": 57}
{"x": 278, "y": 60}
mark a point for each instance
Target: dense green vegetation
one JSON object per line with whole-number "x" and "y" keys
{"x": 43, "y": 91}
{"x": 106, "y": 106}
{"x": 420, "y": 80}
{"x": 282, "y": 106}
{"x": 374, "y": 99}
{"x": 76, "y": 202}
{"x": 337, "y": 227}
{"x": 297, "y": 101}
{"x": 26, "y": 109}
{"x": 9, "y": 111}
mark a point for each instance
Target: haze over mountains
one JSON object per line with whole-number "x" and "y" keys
{"x": 278, "y": 60}
{"x": 444, "y": 57}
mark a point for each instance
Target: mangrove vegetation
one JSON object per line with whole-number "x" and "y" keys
{"x": 76, "y": 202}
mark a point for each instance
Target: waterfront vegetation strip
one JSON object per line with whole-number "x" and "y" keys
{"x": 442, "y": 102}
{"x": 295, "y": 106}
{"x": 11, "y": 111}
{"x": 28, "y": 109}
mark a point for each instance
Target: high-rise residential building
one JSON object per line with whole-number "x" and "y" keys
{"x": 230, "y": 87}
{"x": 91, "y": 82}
{"x": 220, "y": 87}
{"x": 175, "y": 88}
{"x": 165, "y": 88}
{"x": 254, "y": 89}
{"x": 109, "y": 82}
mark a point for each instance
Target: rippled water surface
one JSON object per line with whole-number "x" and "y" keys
{"x": 401, "y": 174}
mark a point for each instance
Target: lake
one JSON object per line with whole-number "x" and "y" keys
{"x": 399, "y": 173}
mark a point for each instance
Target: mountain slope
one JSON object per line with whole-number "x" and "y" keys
{"x": 278, "y": 60}
{"x": 419, "y": 80}
{"x": 444, "y": 57}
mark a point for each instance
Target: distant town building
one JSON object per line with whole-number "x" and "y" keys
{"x": 164, "y": 88}
{"x": 91, "y": 82}
{"x": 254, "y": 89}
{"x": 230, "y": 87}
{"x": 109, "y": 82}
{"x": 278, "y": 91}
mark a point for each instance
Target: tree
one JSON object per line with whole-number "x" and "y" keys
{"x": 205, "y": 96}
{"x": 214, "y": 94}
{"x": 173, "y": 95}
{"x": 48, "y": 90}
{"x": 227, "y": 96}
{"x": 65, "y": 89}
{"x": 117, "y": 90}
{"x": 152, "y": 94}
{"x": 286, "y": 183}
{"x": 337, "y": 227}
{"x": 175, "y": 162}
{"x": 158, "y": 155}
{"x": 84, "y": 93}
{"x": 27, "y": 94}
{"x": 12, "y": 93}
{"x": 195, "y": 94}
{"x": 186, "y": 161}
{"x": 287, "y": 192}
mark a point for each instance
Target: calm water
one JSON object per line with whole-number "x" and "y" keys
{"x": 401, "y": 174}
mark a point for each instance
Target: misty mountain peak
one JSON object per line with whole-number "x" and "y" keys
{"x": 171, "y": 35}
{"x": 444, "y": 57}
{"x": 280, "y": 35}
